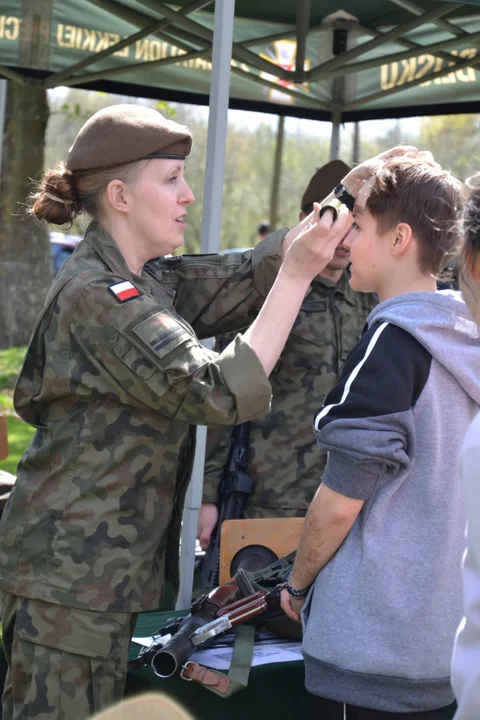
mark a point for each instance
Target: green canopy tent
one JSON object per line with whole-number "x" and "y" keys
{"x": 398, "y": 57}
{"x": 316, "y": 59}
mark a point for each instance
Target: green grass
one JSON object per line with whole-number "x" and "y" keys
{"x": 19, "y": 436}
{"x": 6, "y": 401}
{"x": 19, "y": 433}
{"x": 10, "y": 364}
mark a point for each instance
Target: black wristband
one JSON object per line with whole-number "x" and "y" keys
{"x": 342, "y": 194}
{"x": 293, "y": 591}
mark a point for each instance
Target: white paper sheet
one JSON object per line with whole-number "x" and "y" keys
{"x": 219, "y": 657}
{"x": 147, "y": 641}
{"x": 264, "y": 653}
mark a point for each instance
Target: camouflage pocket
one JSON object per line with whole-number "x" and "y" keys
{"x": 133, "y": 359}
{"x": 163, "y": 333}
{"x": 162, "y": 351}
{"x": 90, "y": 634}
{"x": 66, "y": 663}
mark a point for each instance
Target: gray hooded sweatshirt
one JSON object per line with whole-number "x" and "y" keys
{"x": 380, "y": 620}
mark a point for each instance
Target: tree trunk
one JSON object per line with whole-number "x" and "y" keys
{"x": 25, "y": 265}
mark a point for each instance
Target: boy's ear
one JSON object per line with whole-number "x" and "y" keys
{"x": 402, "y": 238}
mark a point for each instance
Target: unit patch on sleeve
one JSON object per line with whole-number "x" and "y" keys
{"x": 124, "y": 291}
{"x": 162, "y": 333}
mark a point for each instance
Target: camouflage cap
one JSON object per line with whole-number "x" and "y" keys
{"x": 125, "y": 133}
{"x": 323, "y": 182}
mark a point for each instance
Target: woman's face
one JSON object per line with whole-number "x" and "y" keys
{"x": 158, "y": 200}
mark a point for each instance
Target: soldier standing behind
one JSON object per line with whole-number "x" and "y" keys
{"x": 283, "y": 459}
{"x": 113, "y": 380}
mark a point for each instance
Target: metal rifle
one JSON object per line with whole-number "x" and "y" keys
{"x": 160, "y": 638}
{"x": 235, "y": 487}
{"x": 196, "y": 633}
{"x": 210, "y": 615}
{"x": 247, "y": 597}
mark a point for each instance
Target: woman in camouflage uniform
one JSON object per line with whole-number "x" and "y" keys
{"x": 113, "y": 380}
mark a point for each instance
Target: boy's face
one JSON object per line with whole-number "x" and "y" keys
{"x": 370, "y": 257}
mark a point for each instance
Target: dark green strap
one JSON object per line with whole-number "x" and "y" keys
{"x": 241, "y": 661}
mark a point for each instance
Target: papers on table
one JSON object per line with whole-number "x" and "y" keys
{"x": 147, "y": 641}
{"x": 219, "y": 657}
{"x": 264, "y": 652}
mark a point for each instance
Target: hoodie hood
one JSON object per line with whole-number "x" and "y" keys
{"x": 442, "y": 323}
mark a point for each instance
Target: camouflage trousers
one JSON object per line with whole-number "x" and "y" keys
{"x": 255, "y": 512}
{"x": 63, "y": 663}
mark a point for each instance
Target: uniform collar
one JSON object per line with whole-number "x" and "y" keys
{"x": 341, "y": 288}
{"x": 106, "y": 247}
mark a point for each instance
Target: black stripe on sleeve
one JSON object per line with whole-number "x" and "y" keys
{"x": 385, "y": 373}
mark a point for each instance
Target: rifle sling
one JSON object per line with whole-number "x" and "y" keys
{"x": 237, "y": 679}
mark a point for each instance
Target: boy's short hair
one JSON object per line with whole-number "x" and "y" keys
{"x": 425, "y": 197}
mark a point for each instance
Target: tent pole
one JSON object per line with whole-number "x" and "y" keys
{"x": 277, "y": 171}
{"x": 210, "y": 242}
{"x": 340, "y": 44}
{"x": 356, "y": 144}
{"x": 303, "y": 23}
{"x": 337, "y": 108}
{"x": 443, "y": 24}
{"x": 335, "y": 136}
{"x": 3, "y": 102}
{"x": 55, "y": 79}
{"x": 217, "y": 125}
{"x": 321, "y": 71}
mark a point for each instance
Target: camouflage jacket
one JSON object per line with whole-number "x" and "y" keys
{"x": 112, "y": 380}
{"x": 284, "y": 461}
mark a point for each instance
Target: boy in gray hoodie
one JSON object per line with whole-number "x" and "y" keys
{"x": 379, "y": 562}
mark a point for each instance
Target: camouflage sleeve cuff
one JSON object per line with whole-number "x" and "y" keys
{"x": 266, "y": 261}
{"x": 246, "y": 379}
{"x": 210, "y": 491}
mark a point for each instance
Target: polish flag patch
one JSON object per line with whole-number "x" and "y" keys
{"x": 124, "y": 291}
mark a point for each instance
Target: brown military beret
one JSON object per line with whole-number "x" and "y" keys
{"x": 125, "y": 133}
{"x": 323, "y": 182}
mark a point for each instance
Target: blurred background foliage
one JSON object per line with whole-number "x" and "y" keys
{"x": 454, "y": 141}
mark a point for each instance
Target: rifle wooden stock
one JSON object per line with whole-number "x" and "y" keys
{"x": 280, "y": 535}
{"x": 240, "y": 600}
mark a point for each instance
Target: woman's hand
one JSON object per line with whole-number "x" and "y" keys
{"x": 308, "y": 255}
{"x": 354, "y": 180}
{"x": 291, "y": 606}
{"x": 315, "y": 243}
{"x": 294, "y": 232}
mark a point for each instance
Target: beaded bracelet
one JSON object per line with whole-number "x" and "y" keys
{"x": 293, "y": 591}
